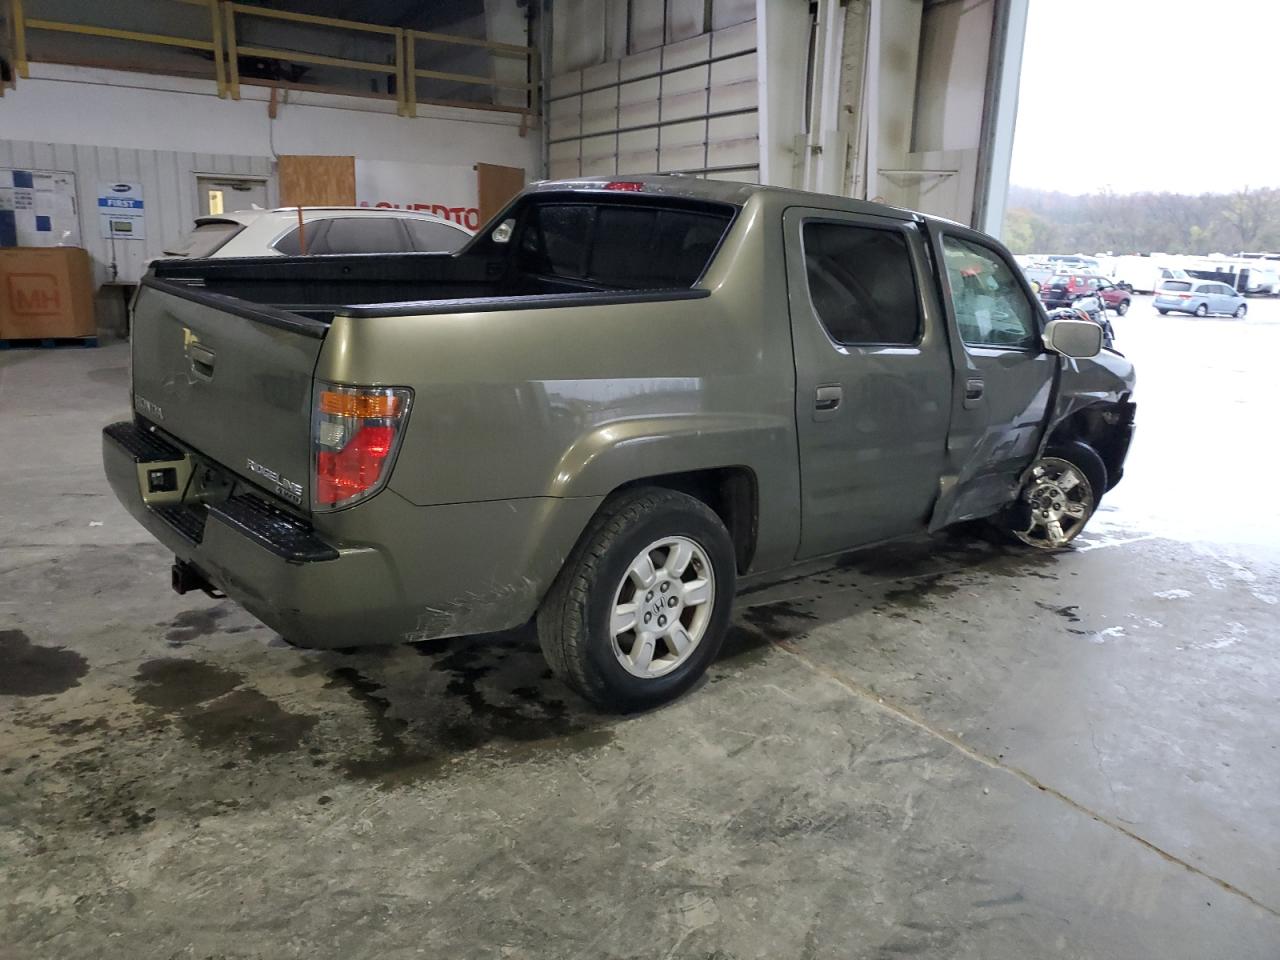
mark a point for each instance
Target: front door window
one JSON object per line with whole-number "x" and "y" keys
{"x": 992, "y": 310}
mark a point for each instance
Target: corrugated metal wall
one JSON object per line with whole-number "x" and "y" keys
{"x": 689, "y": 105}
{"x": 169, "y": 191}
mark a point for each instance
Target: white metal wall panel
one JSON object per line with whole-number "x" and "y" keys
{"x": 168, "y": 183}
{"x": 689, "y": 106}
{"x": 684, "y": 19}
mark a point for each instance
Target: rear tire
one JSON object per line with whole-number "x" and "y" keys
{"x": 625, "y": 624}
{"x": 1240, "y": 312}
{"x": 1059, "y": 498}
{"x": 1122, "y": 308}
{"x": 1202, "y": 310}
{"x": 1162, "y": 311}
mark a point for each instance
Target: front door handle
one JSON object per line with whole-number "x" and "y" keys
{"x": 973, "y": 389}
{"x": 826, "y": 401}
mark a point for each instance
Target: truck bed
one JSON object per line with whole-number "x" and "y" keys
{"x": 279, "y": 290}
{"x": 550, "y": 261}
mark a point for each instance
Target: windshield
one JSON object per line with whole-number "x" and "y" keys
{"x": 204, "y": 239}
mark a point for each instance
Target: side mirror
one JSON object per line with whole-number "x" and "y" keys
{"x": 1074, "y": 338}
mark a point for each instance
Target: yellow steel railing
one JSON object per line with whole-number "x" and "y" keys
{"x": 225, "y": 17}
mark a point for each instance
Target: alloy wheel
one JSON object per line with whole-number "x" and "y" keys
{"x": 662, "y": 607}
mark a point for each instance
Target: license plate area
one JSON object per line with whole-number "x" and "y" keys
{"x": 164, "y": 482}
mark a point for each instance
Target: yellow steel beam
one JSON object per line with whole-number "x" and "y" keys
{"x": 471, "y": 78}
{"x": 19, "y": 39}
{"x": 215, "y": 27}
{"x": 410, "y": 77}
{"x": 294, "y": 56}
{"x": 402, "y": 105}
{"x": 111, "y": 32}
{"x": 507, "y": 49}
{"x": 233, "y": 53}
{"x": 312, "y": 18}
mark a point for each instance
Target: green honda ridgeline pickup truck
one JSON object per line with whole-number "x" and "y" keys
{"x": 619, "y": 401}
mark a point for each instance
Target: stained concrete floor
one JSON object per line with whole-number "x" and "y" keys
{"x": 941, "y": 749}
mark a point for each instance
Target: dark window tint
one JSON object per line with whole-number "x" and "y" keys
{"x": 990, "y": 307}
{"x": 639, "y": 248}
{"x": 430, "y": 236}
{"x": 861, "y": 284}
{"x": 1176, "y": 285}
{"x": 626, "y": 247}
{"x": 363, "y": 235}
{"x": 555, "y": 240}
{"x": 291, "y": 243}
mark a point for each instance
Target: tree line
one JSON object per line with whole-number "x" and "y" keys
{"x": 1044, "y": 221}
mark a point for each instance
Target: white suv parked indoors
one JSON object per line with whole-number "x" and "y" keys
{"x": 265, "y": 233}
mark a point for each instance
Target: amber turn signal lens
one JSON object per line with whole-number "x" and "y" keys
{"x": 362, "y": 405}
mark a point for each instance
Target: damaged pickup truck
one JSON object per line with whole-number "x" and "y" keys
{"x": 615, "y": 405}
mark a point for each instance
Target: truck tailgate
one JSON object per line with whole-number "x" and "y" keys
{"x": 230, "y": 379}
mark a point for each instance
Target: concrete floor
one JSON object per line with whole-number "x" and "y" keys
{"x": 941, "y": 749}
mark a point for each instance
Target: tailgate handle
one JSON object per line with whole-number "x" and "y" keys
{"x": 201, "y": 361}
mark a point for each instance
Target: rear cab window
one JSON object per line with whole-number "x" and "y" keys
{"x": 1176, "y": 286}
{"x": 642, "y": 244}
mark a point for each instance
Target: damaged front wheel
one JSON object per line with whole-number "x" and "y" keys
{"x": 1059, "y": 497}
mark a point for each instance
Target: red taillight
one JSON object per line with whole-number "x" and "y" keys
{"x": 628, "y": 186}
{"x": 355, "y": 468}
{"x": 354, "y": 434}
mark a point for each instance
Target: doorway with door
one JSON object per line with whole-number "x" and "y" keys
{"x": 226, "y": 194}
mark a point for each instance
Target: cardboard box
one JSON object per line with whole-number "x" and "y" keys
{"x": 45, "y": 292}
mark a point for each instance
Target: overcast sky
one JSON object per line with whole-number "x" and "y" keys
{"x": 1185, "y": 95}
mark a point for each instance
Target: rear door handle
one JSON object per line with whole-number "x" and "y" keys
{"x": 826, "y": 401}
{"x": 973, "y": 389}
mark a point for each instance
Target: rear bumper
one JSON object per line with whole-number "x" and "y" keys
{"x": 286, "y": 576}
{"x": 383, "y": 572}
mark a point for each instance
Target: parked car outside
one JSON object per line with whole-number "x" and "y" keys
{"x": 1063, "y": 290}
{"x": 613, "y": 405}
{"x": 1038, "y": 274}
{"x": 326, "y": 230}
{"x": 1201, "y": 298}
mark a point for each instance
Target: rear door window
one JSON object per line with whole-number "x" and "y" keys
{"x": 621, "y": 246}
{"x": 363, "y": 235}
{"x": 861, "y": 283}
{"x": 431, "y": 236}
{"x": 290, "y": 245}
